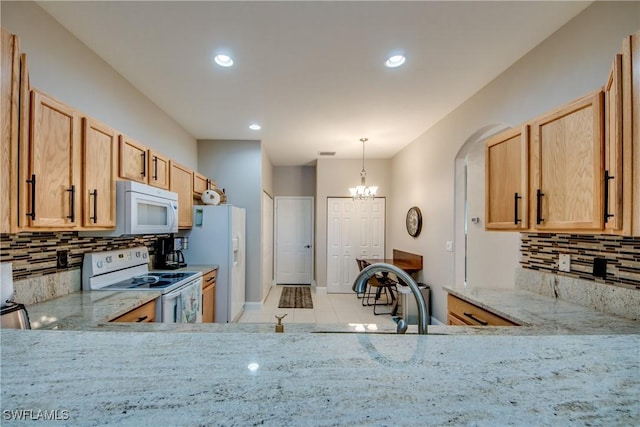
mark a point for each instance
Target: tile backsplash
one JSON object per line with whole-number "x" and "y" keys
{"x": 541, "y": 252}
{"x": 35, "y": 254}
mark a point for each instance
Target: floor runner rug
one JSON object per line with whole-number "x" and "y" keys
{"x": 295, "y": 297}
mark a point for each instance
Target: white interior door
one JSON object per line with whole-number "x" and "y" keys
{"x": 355, "y": 229}
{"x": 294, "y": 240}
{"x": 267, "y": 244}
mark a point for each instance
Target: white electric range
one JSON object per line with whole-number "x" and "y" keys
{"x": 128, "y": 270}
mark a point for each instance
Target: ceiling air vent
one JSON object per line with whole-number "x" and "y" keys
{"x": 327, "y": 153}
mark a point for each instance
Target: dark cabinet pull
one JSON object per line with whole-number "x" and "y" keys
{"x": 94, "y": 193}
{"x": 516, "y": 220}
{"x": 208, "y": 184}
{"x": 72, "y": 202}
{"x": 32, "y": 181}
{"x": 211, "y": 279}
{"x": 607, "y": 178}
{"x": 144, "y": 163}
{"x": 472, "y": 317}
{"x": 141, "y": 319}
{"x": 155, "y": 168}
{"x": 539, "y": 195}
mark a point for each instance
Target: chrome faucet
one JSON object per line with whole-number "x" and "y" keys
{"x": 360, "y": 284}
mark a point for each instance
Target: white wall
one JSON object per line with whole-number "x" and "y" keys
{"x": 60, "y": 65}
{"x": 267, "y": 173}
{"x": 333, "y": 179}
{"x": 294, "y": 181}
{"x": 236, "y": 166}
{"x": 573, "y": 61}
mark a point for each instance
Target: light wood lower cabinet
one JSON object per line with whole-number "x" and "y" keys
{"x": 464, "y": 313}
{"x": 209, "y": 296}
{"x": 143, "y": 314}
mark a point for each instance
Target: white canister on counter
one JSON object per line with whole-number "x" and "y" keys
{"x": 6, "y": 282}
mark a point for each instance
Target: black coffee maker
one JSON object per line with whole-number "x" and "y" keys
{"x": 168, "y": 255}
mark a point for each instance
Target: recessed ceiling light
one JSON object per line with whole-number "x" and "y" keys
{"x": 255, "y": 126}
{"x": 223, "y": 60}
{"x": 395, "y": 61}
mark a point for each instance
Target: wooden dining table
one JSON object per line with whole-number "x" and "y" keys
{"x": 406, "y": 261}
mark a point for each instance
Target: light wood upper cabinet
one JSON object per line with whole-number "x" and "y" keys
{"x": 158, "y": 168}
{"x": 613, "y": 173}
{"x": 629, "y": 149}
{"x": 506, "y": 180}
{"x": 566, "y": 167}
{"x": 99, "y": 171}
{"x": 15, "y": 108}
{"x": 133, "y": 160}
{"x": 53, "y": 190}
{"x": 10, "y": 110}
{"x": 201, "y": 183}
{"x": 181, "y": 182}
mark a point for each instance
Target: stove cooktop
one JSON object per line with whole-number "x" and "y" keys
{"x": 158, "y": 280}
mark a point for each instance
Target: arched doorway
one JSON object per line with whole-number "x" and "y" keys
{"x": 487, "y": 259}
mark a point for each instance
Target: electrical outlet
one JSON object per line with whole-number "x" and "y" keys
{"x": 62, "y": 259}
{"x": 564, "y": 262}
{"x": 448, "y": 246}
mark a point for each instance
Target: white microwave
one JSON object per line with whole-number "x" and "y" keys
{"x": 142, "y": 209}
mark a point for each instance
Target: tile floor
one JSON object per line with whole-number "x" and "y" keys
{"x": 327, "y": 309}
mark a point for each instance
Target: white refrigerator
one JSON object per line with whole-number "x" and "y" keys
{"x": 218, "y": 237}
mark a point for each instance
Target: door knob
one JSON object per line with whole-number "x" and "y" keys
{"x": 308, "y": 246}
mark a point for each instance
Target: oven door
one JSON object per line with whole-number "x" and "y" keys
{"x": 182, "y": 305}
{"x": 148, "y": 214}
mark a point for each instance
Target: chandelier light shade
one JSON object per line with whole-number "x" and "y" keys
{"x": 362, "y": 191}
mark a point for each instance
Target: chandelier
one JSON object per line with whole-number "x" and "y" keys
{"x": 362, "y": 191}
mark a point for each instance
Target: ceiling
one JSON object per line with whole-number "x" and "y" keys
{"x": 311, "y": 73}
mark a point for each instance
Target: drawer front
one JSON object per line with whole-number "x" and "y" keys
{"x": 209, "y": 278}
{"x": 471, "y": 314}
{"x": 144, "y": 313}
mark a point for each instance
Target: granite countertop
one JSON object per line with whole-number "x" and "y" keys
{"x": 549, "y": 315}
{"x": 83, "y": 309}
{"x": 179, "y": 379}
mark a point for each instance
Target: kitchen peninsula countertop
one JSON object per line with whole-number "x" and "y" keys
{"x": 128, "y": 378}
{"x": 534, "y": 311}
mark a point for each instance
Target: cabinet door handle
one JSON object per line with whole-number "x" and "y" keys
{"x": 539, "y": 195}
{"x": 211, "y": 279}
{"x": 141, "y": 319}
{"x": 516, "y": 220}
{"x": 155, "y": 168}
{"x": 144, "y": 163}
{"x": 32, "y": 181}
{"x": 208, "y": 184}
{"x": 72, "y": 202}
{"x": 607, "y": 178}
{"x": 472, "y": 317}
{"x": 94, "y": 193}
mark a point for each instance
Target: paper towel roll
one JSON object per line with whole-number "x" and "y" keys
{"x": 6, "y": 282}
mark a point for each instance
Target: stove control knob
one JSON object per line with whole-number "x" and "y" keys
{"x": 144, "y": 255}
{"x": 108, "y": 259}
{"x": 137, "y": 254}
{"x": 99, "y": 264}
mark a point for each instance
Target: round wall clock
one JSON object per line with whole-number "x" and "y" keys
{"x": 414, "y": 221}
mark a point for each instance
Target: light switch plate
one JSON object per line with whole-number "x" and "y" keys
{"x": 564, "y": 262}
{"x": 449, "y": 246}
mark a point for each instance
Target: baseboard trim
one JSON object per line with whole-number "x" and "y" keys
{"x": 252, "y": 306}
